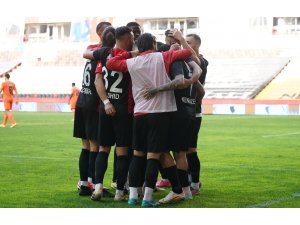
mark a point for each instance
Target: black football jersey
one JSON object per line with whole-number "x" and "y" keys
{"x": 117, "y": 85}
{"x": 88, "y": 97}
{"x": 185, "y": 98}
{"x": 203, "y": 66}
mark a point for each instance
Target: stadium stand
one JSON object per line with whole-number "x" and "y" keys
{"x": 286, "y": 85}
{"x": 241, "y": 78}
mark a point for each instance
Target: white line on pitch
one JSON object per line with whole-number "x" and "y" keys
{"x": 275, "y": 201}
{"x": 280, "y": 135}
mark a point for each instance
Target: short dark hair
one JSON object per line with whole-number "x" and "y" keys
{"x": 167, "y": 33}
{"x": 145, "y": 42}
{"x": 101, "y": 25}
{"x": 196, "y": 37}
{"x": 163, "y": 48}
{"x": 120, "y": 31}
{"x": 7, "y": 75}
{"x": 132, "y": 24}
{"x": 73, "y": 84}
{"x": 108, "y": 37}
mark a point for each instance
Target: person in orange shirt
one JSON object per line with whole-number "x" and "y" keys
{"x": 8, "y": 89}
{"x": 74, "y": 96}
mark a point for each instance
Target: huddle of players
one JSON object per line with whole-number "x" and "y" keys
{"x": 125, "y": 117}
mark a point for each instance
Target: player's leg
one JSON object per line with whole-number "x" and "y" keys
{"x": 164, "y": 181}
{"x": 170, "y": 169}
{"x": 8, "y": 107}
{"x": 122, "y": 171}
{"x": 100, "y": 170}
{"x": 182, "y": 166}
{"x": 193, "y": 158}
{"x": 84, "y": 168}
{"x": 106, "y": 139}
{"x": 139, "y": 160}
{"x": 114, "y": 179}
{"x": 179, "y": 143}
{"x": 123, "y": 132}
{"x": 94, "y": 149}
{"x": 5, "y": 117}
{"x": 79, "y": 132}
{"x": 157, "y": 143}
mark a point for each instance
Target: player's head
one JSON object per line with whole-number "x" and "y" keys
{"x": 124, "y": 37}
{"x": 73, "y": 84}
{"x": 164, "y": 48}
{"x": 7, "y": 76}
{"x": 169, "y": 39}
{"x": 136, "y": 29}
{"x": 146, "y": 42}
{"x": 109, "y": 37}
{"x": 194, "y": 41}
{"x": 100, "y": 28}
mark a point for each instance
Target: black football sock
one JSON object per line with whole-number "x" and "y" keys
{"x": 194, "y": 166}
{"x": 183, "y": 177}
{"x": 143, "y": 172}
{"x": 100, "y": 167}
{"x": 162, "y": 172}
{"x": 84, "y": 164}
{"x": 135, "y": 171}
{"x": 151, "y": 173}
{"x": 115, "y": 167}
{"x": 92, "y": 160}
{"x": 172, "y": 176}
{"x": 122, "y": 171}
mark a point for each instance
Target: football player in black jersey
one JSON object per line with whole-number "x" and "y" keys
{"x": 115, "y": 116}
{"x": 193, "y": 159}
{"x": 86, "y": 121}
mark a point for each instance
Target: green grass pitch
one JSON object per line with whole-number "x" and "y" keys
{"x": 246, "y": 161}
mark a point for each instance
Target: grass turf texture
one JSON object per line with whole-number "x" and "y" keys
{"x": 239, "y": 166}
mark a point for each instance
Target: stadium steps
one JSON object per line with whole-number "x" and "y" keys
{"x": 285, "y": 85}
{"x": 241, "y": 78}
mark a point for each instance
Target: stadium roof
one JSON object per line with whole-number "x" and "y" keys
{"x": 6, "y": 67}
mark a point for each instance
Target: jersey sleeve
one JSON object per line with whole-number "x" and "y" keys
{"x": 118, "y": 63}
{"x": 102, "y": 53}
{"x": 171, "y": 56}
{"x": 99, "y": 67}
{"x": 176, "y": 69}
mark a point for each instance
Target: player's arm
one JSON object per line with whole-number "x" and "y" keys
{"x": 179, "y": 36}
{"x": 98, "y": 54}
{"x": 200, "y": 91}
{"x": 70, "y": 97}
{"x": 118, "y": 63}
{"x": 197, "y": 71}
{"x": 109, "y": 108}
{"x": 16, "y": 94}
{"x": 178, "y": 81}
{"x": 171, "y": 56}
{"x": 101, "y": 90}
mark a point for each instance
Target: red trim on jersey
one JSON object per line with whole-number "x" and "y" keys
{"x": 171, "y": 56}
{"x": 99, "y": 67}
{"x": 130, "y": 99}
{"x": 94, "y": 47}
{"x": 140, "y": 113}
{"x": 118, "y": 62}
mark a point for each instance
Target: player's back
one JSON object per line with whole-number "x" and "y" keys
{"x": 8, "y": 87}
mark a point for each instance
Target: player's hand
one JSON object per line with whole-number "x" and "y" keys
{"x": 134, "y": 53}
{"x": 150, "y": 93}
{"x": 175, "y": 47}
{"x": 110, "y": 109}
{"x": 177, "y": 34}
